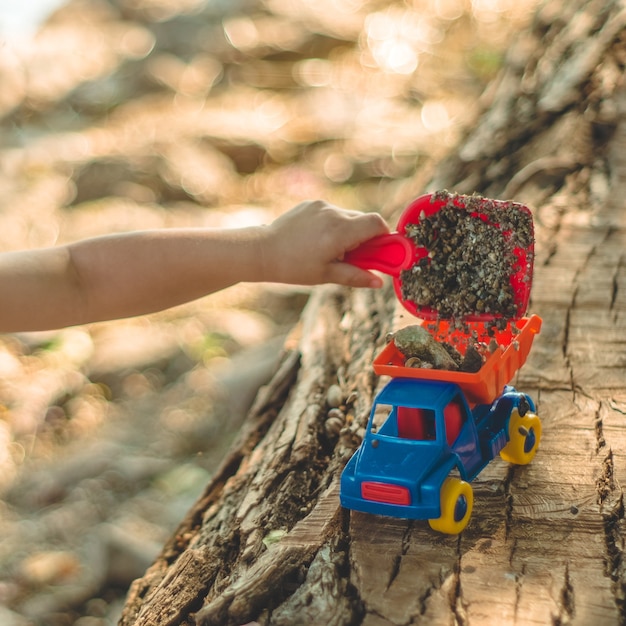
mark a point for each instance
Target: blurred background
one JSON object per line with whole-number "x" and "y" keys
{"x": 125, "y": 114}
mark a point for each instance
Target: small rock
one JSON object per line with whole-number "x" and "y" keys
{"x": 413, "y": 362}
{"x": 334, "y": 396}
{"x": 472, "y": 361}
{"x": 416, "y": 341}
{"x": 334, "y": 423}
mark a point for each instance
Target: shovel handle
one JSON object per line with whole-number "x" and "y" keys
{"x": 389, "y": 254}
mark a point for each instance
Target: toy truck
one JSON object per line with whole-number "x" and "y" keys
{"x": 431, "y": 432}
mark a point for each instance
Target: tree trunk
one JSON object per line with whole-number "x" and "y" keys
{"x": 269, "y": 542}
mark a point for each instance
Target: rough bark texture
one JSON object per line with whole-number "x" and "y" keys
{"x": 268, "y": 541}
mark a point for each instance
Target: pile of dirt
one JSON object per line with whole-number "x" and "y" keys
{"x": 471, "y": 245}
{"x": 423, "y": 350}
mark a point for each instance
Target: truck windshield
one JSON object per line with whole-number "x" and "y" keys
{"x": 381, "y": 414}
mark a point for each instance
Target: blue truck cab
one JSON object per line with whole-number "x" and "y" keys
{"x": 423, "y": 445}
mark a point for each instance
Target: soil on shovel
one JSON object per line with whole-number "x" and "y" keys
{"x": 468, "y": 270}
{"x": 470, "y": 259}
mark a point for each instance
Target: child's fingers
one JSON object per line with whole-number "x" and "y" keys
{"x": 352, "y": 276}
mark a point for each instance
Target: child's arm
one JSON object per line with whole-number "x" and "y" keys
{"x": 130, "y": 274}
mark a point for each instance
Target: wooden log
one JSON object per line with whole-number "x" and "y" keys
{"x": 268, "y": 541}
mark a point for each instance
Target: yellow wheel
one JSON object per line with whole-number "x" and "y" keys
{"x": 524, "y": 438}
{"x": 457, "y": 500}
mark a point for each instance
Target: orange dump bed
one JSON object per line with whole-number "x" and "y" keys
{"x": 480, "y": 387}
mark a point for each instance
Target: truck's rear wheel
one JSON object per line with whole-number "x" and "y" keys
{"x": 457, "y": 500}
{"x": 524, "y": 438}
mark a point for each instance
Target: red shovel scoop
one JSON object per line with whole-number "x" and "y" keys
{"x": 457, "y": 257}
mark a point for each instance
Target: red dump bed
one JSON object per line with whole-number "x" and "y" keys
{"x": 480, "y": 387}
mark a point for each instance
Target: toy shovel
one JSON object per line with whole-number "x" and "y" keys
{"x": 451, "y": 236}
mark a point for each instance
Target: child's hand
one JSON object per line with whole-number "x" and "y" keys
{"x": 306, "y": 245}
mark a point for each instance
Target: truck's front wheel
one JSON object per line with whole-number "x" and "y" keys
{"x": 524, "y": 438}
{"x": 457, "y": 500}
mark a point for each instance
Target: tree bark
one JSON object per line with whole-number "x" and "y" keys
{"x": 268, "y": 540}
